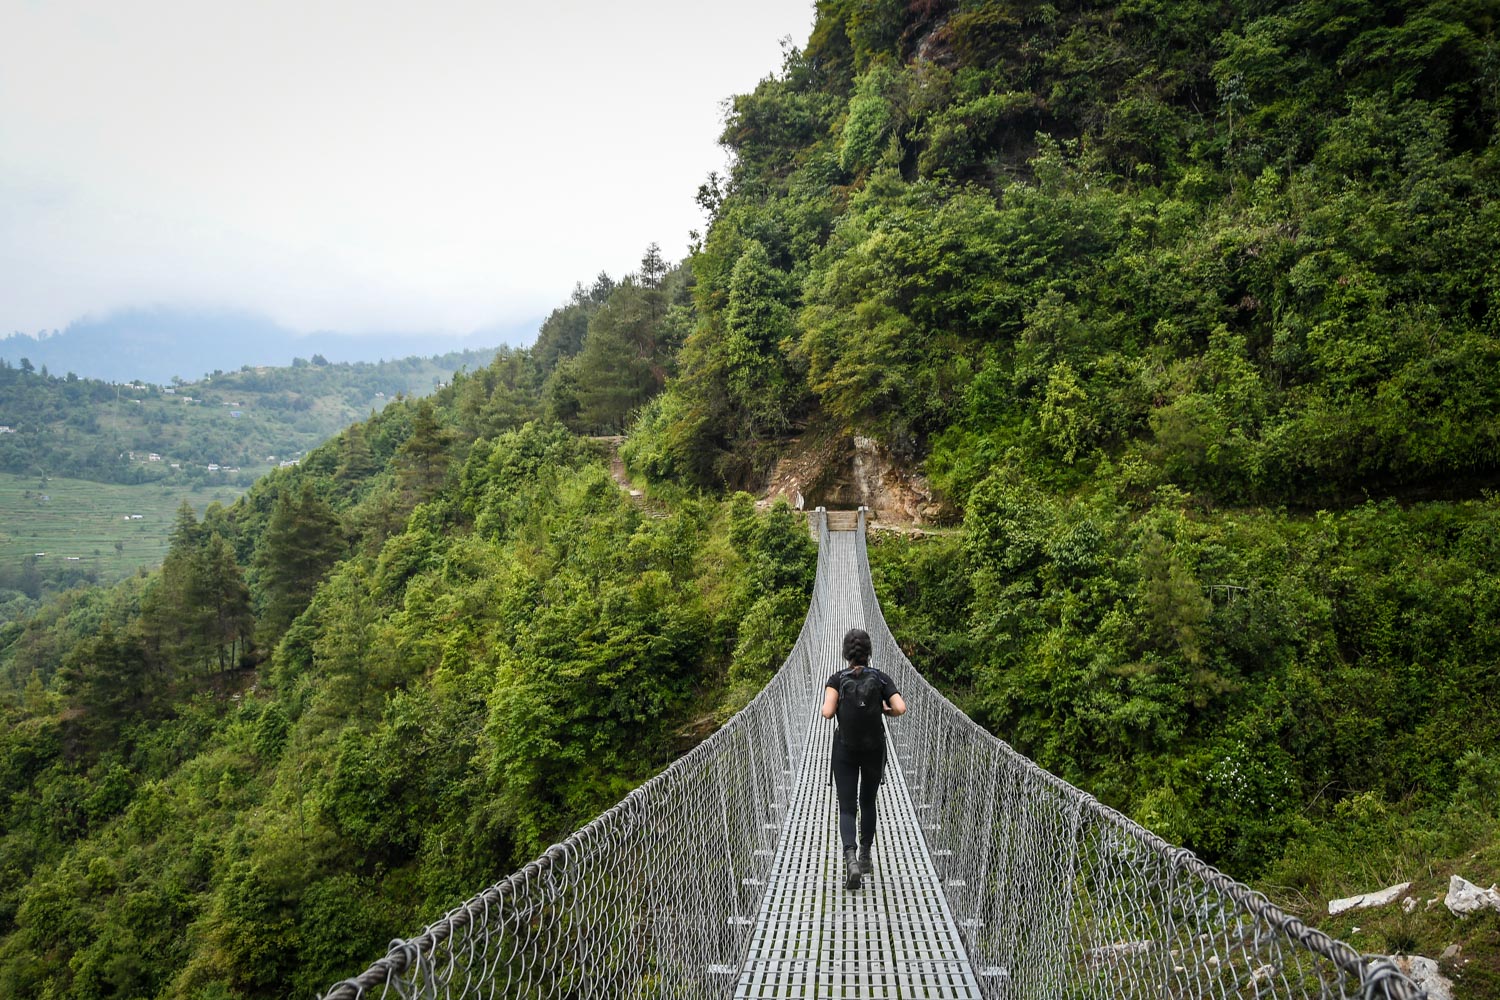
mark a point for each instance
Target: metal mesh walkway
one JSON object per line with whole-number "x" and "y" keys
{"x": 893, "y": 937}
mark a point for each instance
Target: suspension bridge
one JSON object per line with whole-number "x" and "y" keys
{"x": 722, "y": 876}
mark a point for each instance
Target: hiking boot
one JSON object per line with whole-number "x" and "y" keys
{"x": 851, "y": 868}
{"x": 866, "y": 863}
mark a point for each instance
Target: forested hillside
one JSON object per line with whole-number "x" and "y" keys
{"x": 1189, "y": 310}
{"x": 63, "y": 425}
{"x": 382, "y": 679}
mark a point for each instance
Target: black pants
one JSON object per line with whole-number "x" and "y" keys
{"x": 857, "y": 777}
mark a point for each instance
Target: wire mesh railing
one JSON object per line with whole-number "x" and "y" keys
{"x": 1055, "y": 895}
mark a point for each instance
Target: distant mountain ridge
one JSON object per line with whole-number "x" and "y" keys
{"x": 156, "y": 344}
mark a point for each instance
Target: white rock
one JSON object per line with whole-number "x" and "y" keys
{"x": 1464, "y": 897}
{"x": 1409, "y": 903}
{"x": 1117, "y": 951}
{"x": 1381, "y": 898}
{"x": 1452, "y": 951}
{"x": 1424, "y": 972}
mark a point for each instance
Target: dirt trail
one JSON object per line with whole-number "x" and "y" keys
{"x": 616, "y": 463}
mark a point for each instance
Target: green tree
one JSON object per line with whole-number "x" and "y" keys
{"x": 423, "y": 459}
{"x": 228, "y": 599}
{"x": 653, "y": 267}
{"x": 620, "y": 366}
{"x": 757, "y": 334}
{"x": 179, "y": 613}
{"x": 563, "y": 331}
{"x": 301, "y": 543}
{"x": 871, "y": 119}
{"x": 356, "y": 461}
{"x": 106, "y": 679}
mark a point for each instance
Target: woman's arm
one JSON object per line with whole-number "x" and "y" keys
{"x": 830, "y": 702}
{"x": 896, "y": 706}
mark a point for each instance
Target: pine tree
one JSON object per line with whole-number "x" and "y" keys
{"x": 422, "y": 460}
{"x": 357, "y": 461}
{"x": 653, "y": 267}
{"x": 186, "y": 533}
{"x": 618, "y": 368}
{"x": 104, "y": 678}
{"x": 178, "y": 616}
{"x": 301, "y": 543}
{"x": 228, "y": 601}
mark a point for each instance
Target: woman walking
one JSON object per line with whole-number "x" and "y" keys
{"x": 859, "y": 695}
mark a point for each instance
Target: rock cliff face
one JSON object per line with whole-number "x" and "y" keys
{"x": 844, "y": 471}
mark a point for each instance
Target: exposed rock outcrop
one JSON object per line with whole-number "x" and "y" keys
{"x": 1464, "y": 897}
{"x": 1368, "y": 899}
{"x": 1424, "y": 972}
{"x": 844, "y": 471}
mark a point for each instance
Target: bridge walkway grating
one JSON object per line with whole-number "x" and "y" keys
{"x": 892, "y": 939}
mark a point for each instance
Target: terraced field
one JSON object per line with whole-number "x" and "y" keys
{"x": 108, "y": 529}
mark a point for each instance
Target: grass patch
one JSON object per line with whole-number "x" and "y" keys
{"x": 1424, "y": 846}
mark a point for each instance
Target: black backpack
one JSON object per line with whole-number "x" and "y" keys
{"x": 860, "y": 710}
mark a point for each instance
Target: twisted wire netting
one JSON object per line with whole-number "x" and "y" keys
{"x": 655, "y": 897}
{"x": 1058, "y": 895}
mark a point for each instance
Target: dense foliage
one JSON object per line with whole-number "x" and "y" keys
{"x": 1190, "y": 312}
{"x": 1248, "y": 248}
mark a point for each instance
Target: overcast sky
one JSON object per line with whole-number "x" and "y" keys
{"x": 442, "y": 164}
